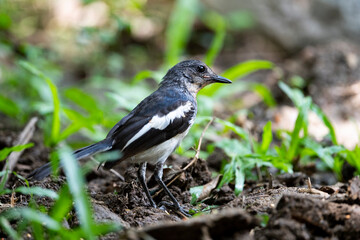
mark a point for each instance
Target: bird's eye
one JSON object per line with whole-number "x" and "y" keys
{"x": 201, "y": 68}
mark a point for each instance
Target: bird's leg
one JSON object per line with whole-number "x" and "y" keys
{"x": 158, "y": 177}
{"x": 142, "y": 178}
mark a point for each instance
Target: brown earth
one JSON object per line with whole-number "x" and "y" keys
{"x": 294, "y": 211}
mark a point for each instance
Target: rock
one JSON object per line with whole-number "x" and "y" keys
{"x": 232, "y": 223}
{"x": 103, "y": 214}
{"x": 300, "y": 217}
{"x": 295, "y": 24}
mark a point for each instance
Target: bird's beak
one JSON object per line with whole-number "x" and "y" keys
{"x": 220, "y": 79}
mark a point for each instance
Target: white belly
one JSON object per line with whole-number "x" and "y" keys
{"x": 160, "y": 152}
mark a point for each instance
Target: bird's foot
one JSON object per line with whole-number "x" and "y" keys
{"x": 175, "y": 207}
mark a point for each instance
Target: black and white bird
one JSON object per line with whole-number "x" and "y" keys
{"x": 155, "y": 127}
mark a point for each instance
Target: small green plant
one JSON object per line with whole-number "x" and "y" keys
{"x": 49, "y": 225}
{"x": 298, "y": 143}
{"x": 5, "y": 152}
{"x": 55, "y": 126}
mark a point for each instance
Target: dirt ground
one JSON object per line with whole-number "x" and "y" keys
{"x": 294, "y": 210}
{"x": 282, "y": 207}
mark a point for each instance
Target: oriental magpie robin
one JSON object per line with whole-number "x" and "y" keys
{"x": 155, "y": 127}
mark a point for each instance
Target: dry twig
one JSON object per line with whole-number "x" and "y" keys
{"x": 23, "y": 138}
{"x": 308, "y": 181}
{"x": 111, "y": 170}
{"x": 270, "y": 181}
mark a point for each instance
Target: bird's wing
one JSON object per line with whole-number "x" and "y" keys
{"x": 155, "y": 120}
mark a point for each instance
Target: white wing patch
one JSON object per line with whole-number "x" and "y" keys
{"x": 161, "y": 122}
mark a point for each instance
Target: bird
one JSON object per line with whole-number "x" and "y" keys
{"x": 155, "y": 127}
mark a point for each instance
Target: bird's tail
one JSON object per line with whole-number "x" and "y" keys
{"x": 45, "y": 170}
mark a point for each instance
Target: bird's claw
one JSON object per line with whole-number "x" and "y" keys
{"x": 177, "y": 208}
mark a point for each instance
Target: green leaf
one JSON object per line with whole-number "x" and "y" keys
{"x": 70, "y": 130}
{"x": 5, "y": 224}
{"x": 300, "y": 122}
{"x": 179, "y": 29}
{"x": 295, "y": 95}
{"x": 353, "y": 158}
{"x": 5, "y": 152}
{"x": 77, "y": 188}
{"x": 266, "y": 138}
{"x": 245, "y": 68}
{"x": 63, "y": 205}
{"x": 35, "y": 217}
{"x": 324, "y": 153}
{"x": 195, "y": 193}
{"x": 303, "y": 104}
{"x": 228, "y": 173}
{"x": 5, "y": 21}
{"x": 41, "y": 192}
{"x": 140, "y": 76}
{"x": 217, "y": 23}
{"x": 37, "y": 229}
{"x": 78, "y": 122}
{"x": 238, "y": 71}
{"x": 316, "y": 109}
{"x": 298, "y": 98}
{"x": 239, "y": 177}
{"x": 236, "y": 129}
{"x": 84, "y": 100}
{"x": 55, "y": 129}
{"x": 8, "y": 107}
{"x": 105, "y": 228}
{"x": 265, "y": 93}
{"x": 233, "y": 147}
{"x": 264, "y": 219}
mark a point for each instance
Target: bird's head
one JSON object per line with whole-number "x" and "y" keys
{"x": 193, "y": 74}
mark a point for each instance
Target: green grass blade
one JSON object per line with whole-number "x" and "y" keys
{"x": 238, "y": 71}
{"x": 239, "y": 177}
{"x": 324, "y": 153}
{"x": 8, "y": 229}
{"x": 195, "y": 193}
{"x": 142, "y": 75}
{"x": 179, "y": 28}
{"x": 228, "y": 173}
{"x": 264, "y": 92}
{"x": 316, "y": 109}
{"x": 77, "y": 188}
{"x": 236, "y": 129}
{"x": 233, "y": 147}
{"x": 353, "y": 157}
{"x": 55, "y": 129}
{"x": 8, "y": 107}
{"x": 299, "y": 124}
{"x": 217, "y": 23}
{"x": 295, "y": 138}
{"x": 242, "y": 69}
{"x": 40, "y": 218}
{"x": 266, "y": 138}
{"x": 37, "y": 229}
{"x": 298, "y": 98}
{"x": 5, "y": 152}
{"x": 63, "y": 205}
{"x": 295, "y": 95}
{"x": 84, "y": 100}
{"x": 105, "y": 228}
{"x": 41, "y": 192}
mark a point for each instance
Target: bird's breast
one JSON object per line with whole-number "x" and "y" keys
{"x": 161, "y": 152}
